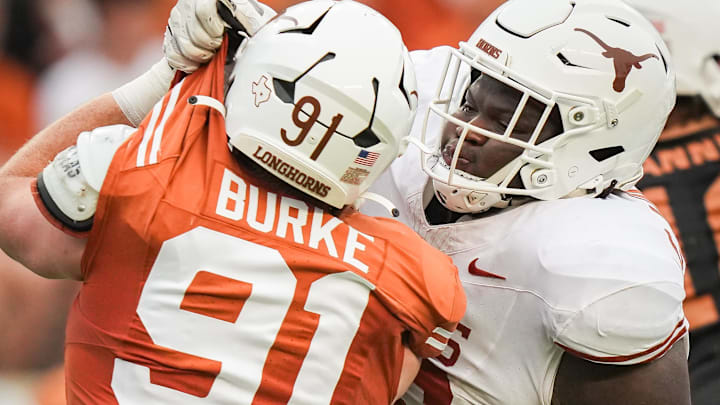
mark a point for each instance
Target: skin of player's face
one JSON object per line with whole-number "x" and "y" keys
{"x": 490, "y": 104}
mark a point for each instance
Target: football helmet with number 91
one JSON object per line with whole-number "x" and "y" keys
{"x": 323, "y": 97}
{"x": 597, "y": 65}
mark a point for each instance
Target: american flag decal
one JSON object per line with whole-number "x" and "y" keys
{"x": 366, "y": 158}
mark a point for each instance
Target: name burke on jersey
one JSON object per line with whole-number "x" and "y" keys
{"x": 240, "y": 201}
{"x": 291, "y": 173}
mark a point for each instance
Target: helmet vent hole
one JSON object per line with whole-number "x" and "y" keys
{"x": 367, "y": 137}
{"x": 617, "y": 20}
{"x": 663, "y": 58}
{"x": 285, "y": 90}
{"x": 403, "y": 90}
{"x": 308, "y": 30}
{"x": 566, "y": 62}
{"x": 606, "y": 153}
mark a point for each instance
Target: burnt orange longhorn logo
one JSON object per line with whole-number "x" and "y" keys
{"x": 623, "y": 60}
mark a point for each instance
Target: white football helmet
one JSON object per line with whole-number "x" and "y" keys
{"x": 323, "y": 97}
{"x": 599, "y": 62}
{"x": 690, "y": 33}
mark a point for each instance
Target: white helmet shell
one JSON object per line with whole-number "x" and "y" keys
{"x": 323, "y": 98}
{"x": 599, "y": 62}
{"x": 690, "y": 32}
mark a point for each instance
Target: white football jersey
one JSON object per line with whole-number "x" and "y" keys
{"x": 599, "y": 278}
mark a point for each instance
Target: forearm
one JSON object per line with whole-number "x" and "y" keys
{"x": 42, "y": 148}
{"x": 25, "y": 235}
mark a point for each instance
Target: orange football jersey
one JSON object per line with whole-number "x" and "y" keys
{"x": 204, "y": 286}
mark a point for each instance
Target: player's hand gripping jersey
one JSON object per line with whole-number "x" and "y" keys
{"x": 600, "y": 279}
{"x": 202, "y": 286}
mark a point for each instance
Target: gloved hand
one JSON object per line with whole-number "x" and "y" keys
{"x": 195, "y": 28}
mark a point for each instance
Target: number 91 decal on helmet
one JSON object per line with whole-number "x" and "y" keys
{"x": 323, "y": 97}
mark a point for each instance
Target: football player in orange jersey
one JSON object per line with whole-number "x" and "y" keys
{"x": 532, "y": 138}
{"x": 221, "y": 259}
{"x": 681, "y": 175}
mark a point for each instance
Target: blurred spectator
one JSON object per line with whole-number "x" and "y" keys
{"x": 426, "y": 23}
{"x": 49, "y": 389}
{"x": 16, "y": 78}
{"x": 24, "y": 34}
{"x": 116, "y": 41}
{"x": 429, "y": 23}
{"x": 80, "y": 48}
{"x": 32, "y": 315}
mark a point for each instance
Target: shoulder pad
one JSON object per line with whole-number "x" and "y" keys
{"x": 97, "y": 148}
{"x": 632, "y": 326}
{"x": 69, "y": 187}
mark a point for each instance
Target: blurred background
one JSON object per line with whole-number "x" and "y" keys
{"x": 57, "y": 54}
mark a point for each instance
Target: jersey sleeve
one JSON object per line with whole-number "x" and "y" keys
{"x": 422, "y": 285}
{"x": 632, "y": 326}
{"x": 67, "y": 190}
{"x": 620, "y": 301}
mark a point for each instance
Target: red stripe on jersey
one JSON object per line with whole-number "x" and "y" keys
{"x": 639, "y": 196}
{"x": 677, "y": 250}
{"x": 678, "y": 337}
{"x": 668, "y": 342}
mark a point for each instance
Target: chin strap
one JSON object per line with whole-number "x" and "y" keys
{"x": 608, "y": 190}
{"x": 378, "y": 199}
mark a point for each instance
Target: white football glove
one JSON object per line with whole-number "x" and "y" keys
{"x": 195, "y": 29}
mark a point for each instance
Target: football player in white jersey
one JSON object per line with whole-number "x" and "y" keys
{"x": 530, "y": 149}
{"x": 531, "y": 136}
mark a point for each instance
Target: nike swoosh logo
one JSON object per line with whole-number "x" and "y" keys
{"x": 475, "y": 271}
